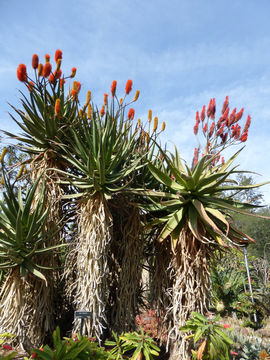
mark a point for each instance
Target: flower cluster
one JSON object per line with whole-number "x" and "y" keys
{"x": 44, "y": 73}
{"x": 222, "y": 132}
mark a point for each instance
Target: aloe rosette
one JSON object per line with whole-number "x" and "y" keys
{"x": 25, "y": 303}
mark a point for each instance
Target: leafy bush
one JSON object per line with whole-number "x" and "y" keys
{"x": 207, "y": 333}
{"x": 140, "y": 345}
{"x": 77, "y": 348}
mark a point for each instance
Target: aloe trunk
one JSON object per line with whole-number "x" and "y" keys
{"x": 92, "y": 272}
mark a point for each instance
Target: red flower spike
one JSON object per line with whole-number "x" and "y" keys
{"x": 237, "y": 131}
{"x": 211, "y": 130}
{"x": 222, "y": 160}
{"x": 7, "y": 347}
{"x": 203, "y": 113}
{"x": 74, "y": 94}
{"x": 244, "y": 136}
{"x": 58, "y": 55}
{"x": 35, "y": 61}
{"x": 47, "y": 69}
{"x": 195, "y": 129}
{"x": 197, "y": 117}
{"x": 131, "y": 114}
{"x": 213, "y": 109}
{"x": 239, "y": 115}
{"x": 234, "y": 353}
{"x": 102, "y": 111}
{"x": 224, "y": 138}
{"x": 225, "y": 105}
{"x": 209, "y": 108}
{"x": 106, "y": 99}
{"x": 205, "y": 128}
{"x": 220, "y": 131}
{"x": 113, "y": 87}
{"x": 247, "y": 124}
{"x": 226, "y": 326}
{"x": 232, "y": 117}
{"x": 21, "y": 72}
{"x": 226, "y": 113}
{"x": 129, "y": 86}
{"x": 34, "y": 355}
{"x": 47, "y": 58}
{"x": 172, "y": 177}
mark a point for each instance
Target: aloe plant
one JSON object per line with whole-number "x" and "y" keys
{"x": 106, "y": 153}
{"x": 194, "y": 215}
{"x": 24, "y": 242}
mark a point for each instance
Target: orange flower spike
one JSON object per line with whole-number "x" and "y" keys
{"x": 139, "y": 122}
{"x": 58, "y": 64}
{"x": 150, "y": 115}
{"x": 58, "y": 55}
{"x": 121, "y": 101}
{"x": 21, "y": 73}
{"x": 136, "y": 95}
{"x": 80, "y": 113}
{"x": 88, "y": 98}
{"x": 62, "y": 82}
{"x": 89, "y": 111}
{"x": 147, "y": 137}
{"x": 57, "y": 107}
{"x": 113, "y": 87}
{"x": 155, "y": 124}
{"x": 78, "y": 86}
{"x": 40, "y": 69}
{"x": 47, "y": 69}
{"x": 131, "y": 114}
{"x": 47, "y": 58}
{"x": 35, "y": 61}
{"x": 102, "y": 111}
{"x": 52, "y": 78}
{"x": 128, "y": 86}
{"x": 106, "y": 99}
{"x": 73, "y": 72}
{"x": 163, "y": 126}
{"x": 5, "y": 150}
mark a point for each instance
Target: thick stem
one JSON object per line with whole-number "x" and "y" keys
{"x": 127, "y": 250}
{"x": 191, "y": 284}
{"x": 92, "y": 273}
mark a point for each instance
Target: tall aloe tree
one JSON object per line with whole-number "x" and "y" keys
{"x": 195, "y": 216}
{"x": 25, "y": 302}
{"x": 44, "y": 117}
{"x": 107, "y": 153}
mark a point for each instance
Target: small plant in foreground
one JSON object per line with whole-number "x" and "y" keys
{"x": 213, "y": 342}
{"x": 6, "y": 347}
{"x": 142, "y": 345}
{"x": 76, "y": 348}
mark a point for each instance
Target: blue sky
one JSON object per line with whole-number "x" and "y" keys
{"x": 179, "y": 53}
